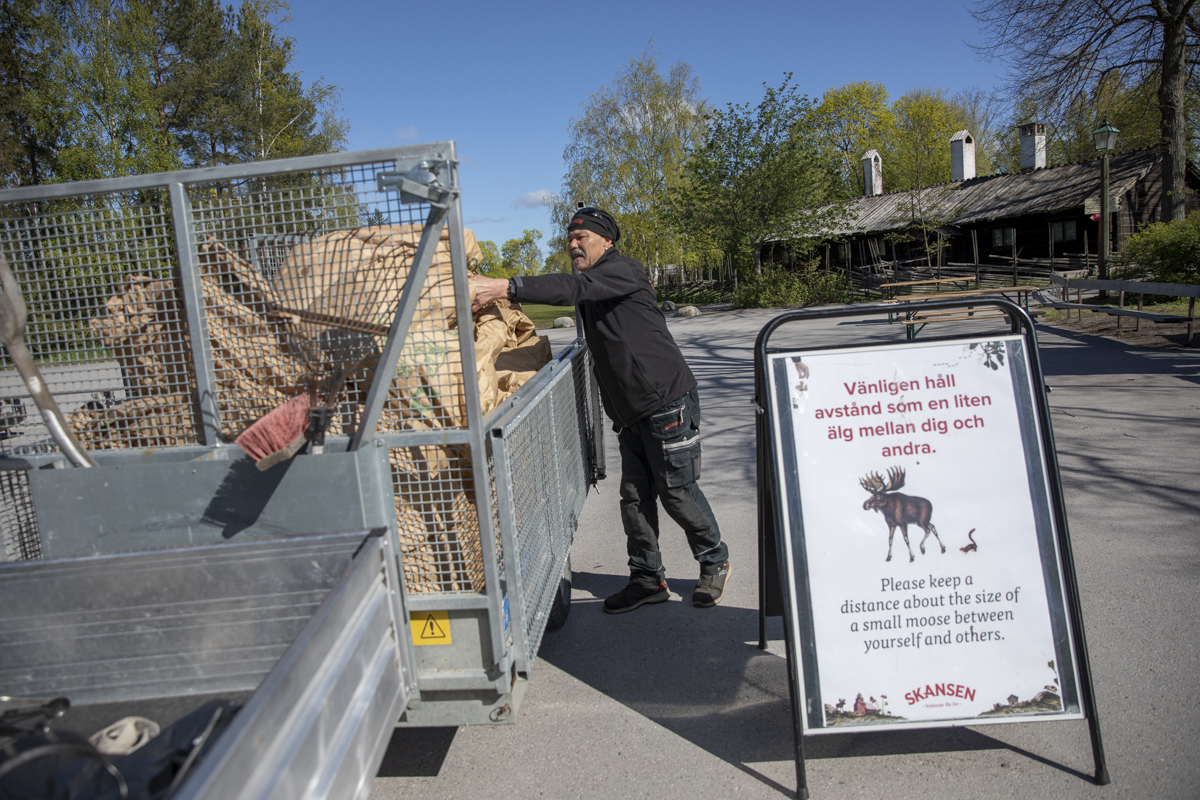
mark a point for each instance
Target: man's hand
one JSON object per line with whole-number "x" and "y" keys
{"x": 488, "y": 290}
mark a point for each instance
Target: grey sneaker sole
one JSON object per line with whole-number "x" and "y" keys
{"x": 654, "y": 598}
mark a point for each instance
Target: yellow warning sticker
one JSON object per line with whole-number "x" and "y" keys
{"x": 430, "y": 627}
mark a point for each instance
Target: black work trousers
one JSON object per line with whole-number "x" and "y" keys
{"x": 660, "y": 460}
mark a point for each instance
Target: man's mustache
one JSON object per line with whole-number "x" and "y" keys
{"x": 577, "y": 253}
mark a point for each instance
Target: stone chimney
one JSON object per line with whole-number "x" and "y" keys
{"x": 872, "y": 166}
{"x": 1033, "y": 145}
{"x": 962, "y": 156}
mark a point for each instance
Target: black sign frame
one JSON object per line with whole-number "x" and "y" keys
{"x": 774, "y": 571}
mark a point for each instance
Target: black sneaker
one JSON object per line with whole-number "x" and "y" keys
{"x": 711, "y": 587}
{"x": 634, "y": 595}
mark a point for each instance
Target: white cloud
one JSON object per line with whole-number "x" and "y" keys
{"x": 478, "y": 220}
{"x": 407, "y": 133}
{"x": 534, "y": 199}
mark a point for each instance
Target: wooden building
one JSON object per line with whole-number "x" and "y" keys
{"x": 1035, "y": 215}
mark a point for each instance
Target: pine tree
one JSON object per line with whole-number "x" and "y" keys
{"x": 28, "y": 141}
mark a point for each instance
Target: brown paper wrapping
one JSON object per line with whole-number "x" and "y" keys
{"x": 263, "y": 354}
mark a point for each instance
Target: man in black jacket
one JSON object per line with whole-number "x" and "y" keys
{"x": 650, "y": 395}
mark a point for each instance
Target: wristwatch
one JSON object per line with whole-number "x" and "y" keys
{"x": 513, "y": 285}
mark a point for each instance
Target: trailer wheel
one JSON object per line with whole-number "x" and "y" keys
{"x": 562, "y": 600}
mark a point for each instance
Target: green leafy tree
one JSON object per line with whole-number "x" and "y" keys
{"x": 627, "y": 150}
{"x": 105, "y": 85}
{"x": 491, "y": 265}
{"x": 522, "y": 256}
{"x": 557, "y": 262}
{"x": 918, "y": 156}
{"x": 28, "y": 133}
{"x": 918, "y": 152}
{"x": 852, "y": 119}
{"x": 758, "y": 177}
{"x": 1168, "y": 252}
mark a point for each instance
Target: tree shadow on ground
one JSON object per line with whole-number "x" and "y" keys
{"x": 697, "y": 673}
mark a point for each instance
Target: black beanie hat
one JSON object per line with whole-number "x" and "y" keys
{"x": 597, "y": 221}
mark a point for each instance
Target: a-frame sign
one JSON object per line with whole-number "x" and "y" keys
{"x": 912, "y": 533}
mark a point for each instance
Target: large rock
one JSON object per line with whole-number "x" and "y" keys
{"x": 688, "y": 311}
{"x": 564, "y": 322}
{"x": 668, "y": 307}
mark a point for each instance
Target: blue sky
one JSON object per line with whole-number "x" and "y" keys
{"x": 504, "y": 79}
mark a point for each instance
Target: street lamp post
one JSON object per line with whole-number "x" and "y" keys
{"x": 1105, "y": 139}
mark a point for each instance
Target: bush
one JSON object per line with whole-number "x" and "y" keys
{"x": 1168, "y": 252}
{"x": 778, "y": 287}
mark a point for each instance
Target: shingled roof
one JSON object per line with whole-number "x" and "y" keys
{"x": 992, "y": 197}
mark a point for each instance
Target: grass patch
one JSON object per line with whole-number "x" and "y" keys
{"x": 543, "y": 316}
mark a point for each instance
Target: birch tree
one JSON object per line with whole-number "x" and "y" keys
{"x": 626, "y": 153}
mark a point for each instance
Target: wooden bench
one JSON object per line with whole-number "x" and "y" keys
{"x": 1140, "y": 288}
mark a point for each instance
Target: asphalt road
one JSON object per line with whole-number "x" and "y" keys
{"x": 671, "y": 701}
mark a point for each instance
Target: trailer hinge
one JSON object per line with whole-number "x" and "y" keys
{"x": 421, "y": 184}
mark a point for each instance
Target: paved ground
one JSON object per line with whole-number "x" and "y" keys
{"x": 676, "y": 702}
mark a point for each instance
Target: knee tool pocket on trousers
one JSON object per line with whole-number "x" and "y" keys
{"x": 671, "y": 422}
{"x": 682, "y": 461}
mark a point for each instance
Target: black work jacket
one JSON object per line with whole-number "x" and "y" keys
{"x": 638, "y": 365}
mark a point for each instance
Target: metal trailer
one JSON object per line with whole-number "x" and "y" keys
{"x": 137, "y": 290}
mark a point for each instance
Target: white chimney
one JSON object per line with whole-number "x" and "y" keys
{"x": 1033, "y": 145}
{"x": 872, "y": 166}
{"x": 962, "y": 156}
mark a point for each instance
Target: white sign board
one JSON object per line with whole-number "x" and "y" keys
{"x": 920, "y": 537}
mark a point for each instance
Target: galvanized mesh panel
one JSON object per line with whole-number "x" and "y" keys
{"x": 18, "y": 522}
{"x": 296, "y": 278}
{"x": 301, "y": 278}
{"x": 437, "y": 519}
{"x": 106, "y": 323}
{"x": 548, "y": 449}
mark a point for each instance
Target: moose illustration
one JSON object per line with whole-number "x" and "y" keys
{"x": 899, "y": 510}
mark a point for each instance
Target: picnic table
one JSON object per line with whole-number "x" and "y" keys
{"x": 934, "y": 281}
{"x": 916, "y": 320}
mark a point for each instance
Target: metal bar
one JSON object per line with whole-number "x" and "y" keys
{"x": 390, "y": 554}
{"x": 478, "y": 444}
{"x": 253, "y": 169}
{"x": 225, "y": 452}
{"x": 420, "y": 438}
{"x": 512, "y": 565}
{"x": 766, "y": 481}
{"x": 398, "y": 333}
{"x": 761, "y": 442}
{"x": 193, "y": 301}
{"x": 599, "y": 448}
{"x": 441, "y": 601}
